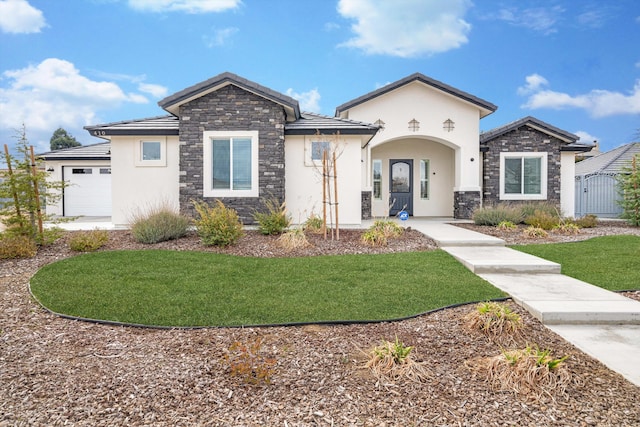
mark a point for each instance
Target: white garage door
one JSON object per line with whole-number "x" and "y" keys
{"x": 89, "y": 192}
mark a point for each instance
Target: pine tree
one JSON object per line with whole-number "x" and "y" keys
{"x": 61, "y": 139}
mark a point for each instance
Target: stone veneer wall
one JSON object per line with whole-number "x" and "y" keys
{"x": 366, "y": 205}
{"x": 464, "y": 203}
{"x": 523, "y": 139}
{"x": 232, "y": 109}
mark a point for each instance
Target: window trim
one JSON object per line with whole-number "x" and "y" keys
{"x": 374, "y": 180}
{"x": 543, "y": 175}
{"x": 308, "y": 155}
{"x": 425, "y": 178}
{"x": 207, "y": 164}
{"x": 151, "y": 163}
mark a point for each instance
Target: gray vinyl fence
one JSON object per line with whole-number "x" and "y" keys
{"x": 597, "y": 194}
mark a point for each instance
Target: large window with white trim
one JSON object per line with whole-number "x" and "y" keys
{"x": 523, "y": 176}
{"x": 230, "y": 164}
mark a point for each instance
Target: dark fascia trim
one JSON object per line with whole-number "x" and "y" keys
{"x": 99, "y": 132}
{"x": 484, "y": 149}
{"x": 329, "y": 131}
{"x": 577, "y": 149}
{"x": 531, "y": 122}
{"x": 172, "y": 101}
{"x": 426, "y": 80}
{"x": 79, "y": 159}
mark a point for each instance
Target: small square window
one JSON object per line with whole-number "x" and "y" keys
{"x": 151, "y": 150}
{"x": 318, "y": 148}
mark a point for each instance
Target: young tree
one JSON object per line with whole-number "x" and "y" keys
{"x": 61, "y": 139}
{"x": 629, "y": 187}
{"x": 23, "y": 190}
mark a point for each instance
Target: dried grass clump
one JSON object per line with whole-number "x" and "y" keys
{"x": 529, "y": 372}
{"x": 497, "y": 321}
{"x": 392, "y": 360}
{"x": 293, "y": 239}
{"x": 535, "y": 232}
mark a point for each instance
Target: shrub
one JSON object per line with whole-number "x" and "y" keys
{"x": 313, "y": 224}
{"x": 88, "y": 241}
{"x": 158, "y": 225}
{"x": 568, "y": 228}
{"x": 531, "y": 372}
{"x": 497, "y": 321}
{"x": 530, "y": 209}
{"x": 507, "y": 225}
{"x": 218, "y": 225}
{"x": 534, "y": 232}
{"x": 275, "y": 220}
{"x": 17, "y": 246}
{"x": 587, "y": 221}
{"x": 246, "y": 361}
{"x": 293, "y": 239}
{"x": 392, "y": 359}
{"x": 629, "y": 189}
{"x": 542, "y": 219}
{"x": 380, "y": 232}
{"x": 497, "y": 214}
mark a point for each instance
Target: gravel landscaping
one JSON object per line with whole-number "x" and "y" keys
{"x": 55, "y": 371}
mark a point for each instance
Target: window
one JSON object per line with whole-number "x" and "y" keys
{"x": 105, "y": 171}
{"x": 377, "y": 179}
{"x": 150, "y": 150}
{"x": 151, "y": 153}
{"x": 523, "y": 176}
{"x": 83, "y": 171}
{"x": 424, "y": 179}
{"x": 319, "y": 147}
{"x": 230, "y": 164}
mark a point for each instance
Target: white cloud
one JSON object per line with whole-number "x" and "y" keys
{"x": 188, "y": 6}
{"x": 539, "y": 19}
{"x": 157, "y": 91}
{"x": 598, "y": 102}
{"x": 18, "y": 16}
{"x": 54, "y": 93}
{"x": 406, "y": 28}
{"x": 586, "y": 137}
{"x": 220, "y": 37}
{"x": 309, "y": 101}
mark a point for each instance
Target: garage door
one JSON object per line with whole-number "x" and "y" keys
{"x": 89, "y": 192}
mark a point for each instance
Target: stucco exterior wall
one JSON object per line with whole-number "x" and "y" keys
{"x": 431, "y": 108}
{"x": 567, "y": 184}
{"x": 303, "y": 186}
{"x": 137, "y": 188}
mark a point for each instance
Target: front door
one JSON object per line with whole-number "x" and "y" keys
{"x": 400, "y": 186}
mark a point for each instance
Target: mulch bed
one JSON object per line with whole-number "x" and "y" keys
{"x": 59, "y": 372}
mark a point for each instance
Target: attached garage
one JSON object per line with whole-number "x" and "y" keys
{"x": 87, "y": 171}
{"x": 89, "y": 191}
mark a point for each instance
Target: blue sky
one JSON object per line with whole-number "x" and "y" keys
{"x": 70, "y": 63}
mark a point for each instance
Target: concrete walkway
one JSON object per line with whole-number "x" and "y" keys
{"x": 601, "y": 323}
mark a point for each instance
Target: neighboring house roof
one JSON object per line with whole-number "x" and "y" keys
{"x": 173, "y": 102}
{"x": 311, "y": 124}
{"x": 160, "y": 125}
{"x": 100, "y": 151}
{"x": 485, "y": 106}
{"x": 570, "y": 139}
{"x": 610, "y": 162}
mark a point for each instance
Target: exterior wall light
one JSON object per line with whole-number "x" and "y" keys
{"x": 380, "y": 124}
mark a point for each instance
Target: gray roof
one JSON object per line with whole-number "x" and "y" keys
{"x": 172, "y": 102}
{"x": 100, "y": 151}
{"x": 160, "y": 125}
{"x": 568, "y": 137}
{"x": 311, "y": 124}
{"x": 610, "y": 162}
{"x": 486, "y": 107}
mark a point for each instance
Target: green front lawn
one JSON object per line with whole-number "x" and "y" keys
{"x": 611, "y": 262}
{"x": 167, "y": 288}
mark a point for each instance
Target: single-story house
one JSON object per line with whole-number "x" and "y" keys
{"x": 596, "y": 181}
{"x": 412, "y": 145}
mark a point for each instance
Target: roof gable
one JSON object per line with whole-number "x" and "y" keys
{"x": 173, "y": 102}
{"x": 530, "y": 121}
{"x": 485, "y": 107}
